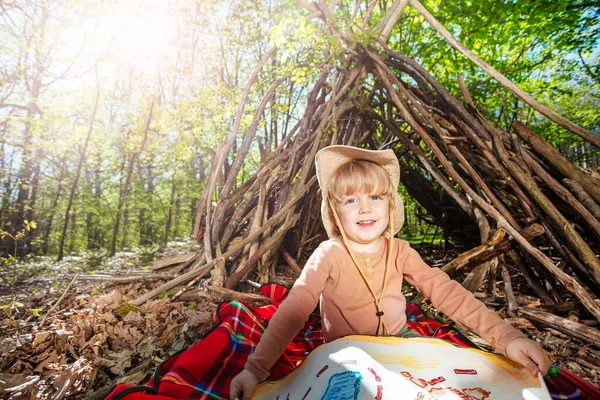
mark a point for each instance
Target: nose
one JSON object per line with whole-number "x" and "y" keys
{"x": 365, "y": 207}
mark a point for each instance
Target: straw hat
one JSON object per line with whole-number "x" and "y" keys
{"x": 329, "y": 159}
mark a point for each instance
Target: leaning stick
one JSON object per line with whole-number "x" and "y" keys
{"x": 391, "y": 17}
{"x": 558, "y": 161}
{"x": 170, "y": 261}
{"x": 504, "y": 81}
{"x": 580, "y": 331}
{"x": 510, "y": 296}
{"x": 268, "y": 245}
{"x": 557, "y": 188}
{"x": 290, "y": 261}
{"x": 255, "y": 300}
{"x": 59, "y": 300}
{"x": 491, "y": 250}
{"x": 125, "y": 279}
{"x": 583, "y": 197}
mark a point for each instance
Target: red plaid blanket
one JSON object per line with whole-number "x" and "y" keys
{"x": 205, "y": 370}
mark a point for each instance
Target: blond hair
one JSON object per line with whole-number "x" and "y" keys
{"x": 359, "y": 176}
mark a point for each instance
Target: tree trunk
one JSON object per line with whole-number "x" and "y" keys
{"x": 125, "y": 187}
{"x": 167, "y": 233}
{"x": 48, "y": 227}
{"x": 63, "y": 235}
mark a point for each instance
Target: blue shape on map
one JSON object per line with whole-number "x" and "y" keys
{"x": 343, "y": 386}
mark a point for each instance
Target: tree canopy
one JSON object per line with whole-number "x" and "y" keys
{"x": 123, "y": 106}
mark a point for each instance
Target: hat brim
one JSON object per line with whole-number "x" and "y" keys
{"x": 329, "y": 159}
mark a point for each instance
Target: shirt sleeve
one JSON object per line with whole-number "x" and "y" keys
{"x": 292, "y": 313}
{"x": 454, "y": 300}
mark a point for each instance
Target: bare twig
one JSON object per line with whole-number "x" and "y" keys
{"x": 59, "y": 300}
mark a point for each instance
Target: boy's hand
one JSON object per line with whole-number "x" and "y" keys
{"x": 244, "y": 383}
{"x": 529, "y": 354}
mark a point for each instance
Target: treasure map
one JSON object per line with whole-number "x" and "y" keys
{"x": 385, "y": 368}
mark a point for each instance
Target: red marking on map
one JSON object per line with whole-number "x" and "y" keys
{"x": 322, "y": 370}
{"x": 377, "y": 378}
{"x": 348, "y": 362}
{"x": 465, "y": 372}
{"x": 477, "y": 393}
{"x": 379, "y": 392}
{"x": 437, "y": 380}
{"x": 307, "y": 392}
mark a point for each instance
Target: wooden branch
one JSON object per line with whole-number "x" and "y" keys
{"x": 583, "y": 197}
{"x": 290, "y": 261}
{"x": 563, "y": 193}
{"x": 465, "y": 91}
{"x": 508, "y": 84}
{"x": 391, "y": 17}
{"x": 463, "y": 258}
{"x": 510, "y": 296}
{"x": 486, "y": 150}
{"x": 493, "y": 249}
{"x": 475, "y": 277}
{"x": 580, "y": 331}
{"x": 59, "y": 300}
{"x": 367, "y": 16}
{"x": 445, "y": 95}
{"x": 172, "y": 260}
{"x": 125, "y": 279}
{"x": 238, "y": 214}
{"x": 474, "y": 175}
{"x": 558, "y": 161}
{"x": 255, "y": 300}
{"x": 268, "y": 245}
{"x": 218, "y": 270}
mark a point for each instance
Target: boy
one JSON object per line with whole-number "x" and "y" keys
{"x": 357, "y": 274}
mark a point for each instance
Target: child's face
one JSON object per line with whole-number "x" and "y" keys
{"x": 364, "y": 218}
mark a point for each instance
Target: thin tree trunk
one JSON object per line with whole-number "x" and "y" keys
{"x": 63, "y": 235}
{"x": 48, "y": 227}
{"x": 125, "y": 188}
{"x": 93, "y": 230}
{"x": 170, "y": 212}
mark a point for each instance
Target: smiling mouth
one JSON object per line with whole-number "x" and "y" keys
{"x": 367, "y": 222}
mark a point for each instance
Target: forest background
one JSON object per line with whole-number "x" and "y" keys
{"x": 111, "y": 111}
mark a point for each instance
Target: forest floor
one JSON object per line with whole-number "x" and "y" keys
{"x": 90, "y": 342}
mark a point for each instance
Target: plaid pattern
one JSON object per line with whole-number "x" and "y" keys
{"x": 204, "y": 371}
{"x": 424, "y": 326}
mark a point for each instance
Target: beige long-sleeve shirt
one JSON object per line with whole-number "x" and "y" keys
{"x": 347, "y": 306}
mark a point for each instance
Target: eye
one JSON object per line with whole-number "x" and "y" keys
{"x": 350, "y": 201}
{"x": 376, "y": 197}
